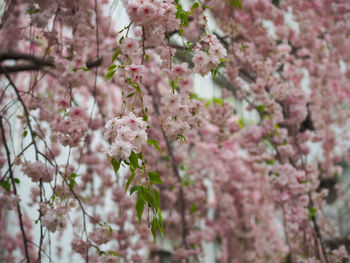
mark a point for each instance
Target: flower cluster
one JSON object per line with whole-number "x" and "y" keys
{"x": 80, "y": 246}
{"x": 102, "y": 235}
{"x": 38, "y": 170}
{"x": 147, "y": 12}
{"x": 8, "y": 200}
{"x": 209, "y": 59}
{"x": 71, "y": 129}
{"x": 180, "y": 114}
{"x": 54, "y": 217}
{"x": 126, "y": 134}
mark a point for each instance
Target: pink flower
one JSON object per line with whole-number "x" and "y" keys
{"x": 38, "y": 170}
{"x": 102, "y": 235}
{"x": 146, "y": 12}
{"x": 130, "y": 47}
{"x": 120, "y": 150}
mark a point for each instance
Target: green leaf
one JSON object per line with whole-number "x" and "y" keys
{"x": 154, "y": 229}
{"x": 130, "y": 95}
{"x": 154, "y": 143}
{"x": 130, "y": 180}
{"x": 270, "y": 162}
{"x": 31, "y": 11}
{"x": 312, "y": 212}
{"x": 113, "y": 253}
{"x": 135, "y": 188}
{"x": 223, "y": 60}
{"x": 195, "y": 5}
{"x": 71, "y": 180}
{"x": 154, "y": 178}
{"x": 140, "y": 205}
{"x": 134, "y": 160}
{"x": 16, "y": 180}
{"x": 110, "y": 74}
{"x": 156, "y": 197}
{"x": 145, "y": 117}
{"x": 235, "y": 3}
{"x": 115, "y": 54}
{"x": 147, "y": 196}
{"x": 193, "y": 209}
{"x": 160, "y": 220}
{"x": 116, "y": 165}
{"x": 121, "y": 40}
{"x": 25, "y": 133}
{"x": 112, "y": 67}
{"x": 5, "y": 185}
{"x": 136, "y": 86}
{"x": 180, "y": 137}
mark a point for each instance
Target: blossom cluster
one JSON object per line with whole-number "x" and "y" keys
{"x": 147, "y": 12}
{"x": 71, "y": 129}
{"x": 54, "y": 217}
{"x": 208, "y": 54}
{"x": 126, "y": 134}
{"x": 38, "y": 170}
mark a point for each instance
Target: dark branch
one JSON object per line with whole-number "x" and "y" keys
{"x": 35, "y": 63}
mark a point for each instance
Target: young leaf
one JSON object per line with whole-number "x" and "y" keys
{"x": 116, "y": 165}
{"x": 130, "y": 180}
{"x": 154, "y": 143}
{"x": 135, "y": 188}
{"x": 110, "y": 74}
{"x": 154, "y": 178}
{"x": 154, "y": 229}
{"x": 140, "y": 205}
{"x": 5, "y": 185}
{"x": 148, "y": 197}
{"x": 134, "y": 160}
{"x": 113, "y": 253}
{"x": 130, "y": 95}
{"x": 16, "y": 180}
{"x": 195, "y": 5}
{"x": 312, "y": 212}
{"x": 112, "y": 67}
{"x": 193, "y": 209}
{"x": 115, "y": 54}
{"x": 156, "y": 198}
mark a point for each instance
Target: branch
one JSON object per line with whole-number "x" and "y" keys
{"x": 24, "y": 237}
{"x": 175, "y": 169}
{"x": 35, "y": 63}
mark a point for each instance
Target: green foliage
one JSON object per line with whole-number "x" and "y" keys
{"x": 115, "y": 55}
{"x": 113, "y": 253}
{"x": 145, "y": 194}
{"x": 183, "y": 16}
{"x": 235, "y": 3}
{"x": 116, "y": 165}
{"x": 181, "y": 137}
{"x": 71, "y": 180}
{"x": 154, "y": 178}
{"x": 193, "y": 209}
{"x": 312, "y": 212}
{"x": 154, "y": 143}
{"x": 6, "y": 185}
{"x": 195, "y": 5}
{"x": 134, "y": 160}
{"x": 152, "y": 199}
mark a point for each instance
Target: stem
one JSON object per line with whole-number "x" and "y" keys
{"x": 24, "y": 237}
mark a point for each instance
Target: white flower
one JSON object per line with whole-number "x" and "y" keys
{"x": 120, "y": 150}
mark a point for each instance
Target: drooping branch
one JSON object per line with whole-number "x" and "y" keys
{"x": 20, "y": 219}
{"x": 35, "y": 63}
{"x": 175, "y": 169}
